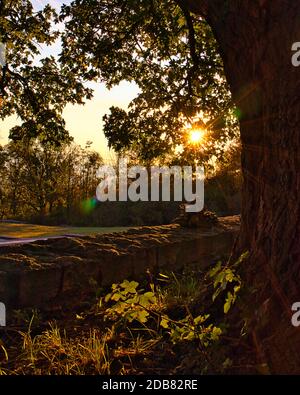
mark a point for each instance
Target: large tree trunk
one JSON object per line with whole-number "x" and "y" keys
{"x": 255, "y": 39}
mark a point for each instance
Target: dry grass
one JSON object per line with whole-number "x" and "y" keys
{"x": 54, "y": 353}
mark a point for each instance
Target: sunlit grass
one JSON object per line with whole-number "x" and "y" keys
{"x": 56, "y": 353}
{"x": 31, "y": 231}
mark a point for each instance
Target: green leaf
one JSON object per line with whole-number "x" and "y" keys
{"x": 130, "y": 287}
{"x": 216, "y": 293}
{"x": 229, "y": 302}
{"x": 142, "y": 316}
{"x": 164, "y": 322}
{"x": 216, "y": 333}
{"x": 215, "y": 270}
{"x": 116, "y": 297}
{"x": 147, "y": 298}
{"x": 227, "y": 363}
{"x": 164, "y": 276}
{"x": 242, "y": 258}
{"x": 107, "y": 298}
{"x": 200, "y": 319}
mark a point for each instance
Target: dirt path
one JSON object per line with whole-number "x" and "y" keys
{"x": 7, "y": 241}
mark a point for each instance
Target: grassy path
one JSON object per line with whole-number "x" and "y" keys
{"x": 31, "y": 231}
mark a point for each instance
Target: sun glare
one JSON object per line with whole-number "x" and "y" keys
{"x": 196, "y": 136}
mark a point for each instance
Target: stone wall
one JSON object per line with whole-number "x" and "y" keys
{"x": 53, "y": 271}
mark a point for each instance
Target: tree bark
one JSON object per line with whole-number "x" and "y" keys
{"x": 255, "y": 39}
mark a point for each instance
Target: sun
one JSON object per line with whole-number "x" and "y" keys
{"x": 196, "y": 136}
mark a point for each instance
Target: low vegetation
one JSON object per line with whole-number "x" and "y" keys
{"x": 171, "y": 323}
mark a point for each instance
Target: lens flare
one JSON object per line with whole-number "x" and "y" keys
{"x": 89, "y": 205}
{"x": 196, "y": 136}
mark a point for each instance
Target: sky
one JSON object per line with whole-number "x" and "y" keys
{"x": 84, "y": 122}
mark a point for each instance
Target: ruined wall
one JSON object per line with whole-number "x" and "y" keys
{"x": 53, "y": 271}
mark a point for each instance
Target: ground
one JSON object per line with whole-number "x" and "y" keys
{"x": 168, "y": 322}
{"x": 31, "y": 231}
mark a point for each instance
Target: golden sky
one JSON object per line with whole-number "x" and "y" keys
{"x": 84, "y": 122}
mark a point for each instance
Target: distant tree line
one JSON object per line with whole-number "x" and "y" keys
{"x": 51, "y": 184}
{"x": 39, "y": 180}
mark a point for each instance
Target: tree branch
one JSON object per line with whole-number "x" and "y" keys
{"x": 192, "y": 34}
{"x": 26, "y": 87}
{"x": 199, "y": 7}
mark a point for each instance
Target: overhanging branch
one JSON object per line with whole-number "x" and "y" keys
{"x": 199, "y": 7}
{"x": 191, "y": 30}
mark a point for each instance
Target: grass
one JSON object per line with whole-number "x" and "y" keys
{"x": 54, "y": 352}
{"x": 31, "y": 231}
